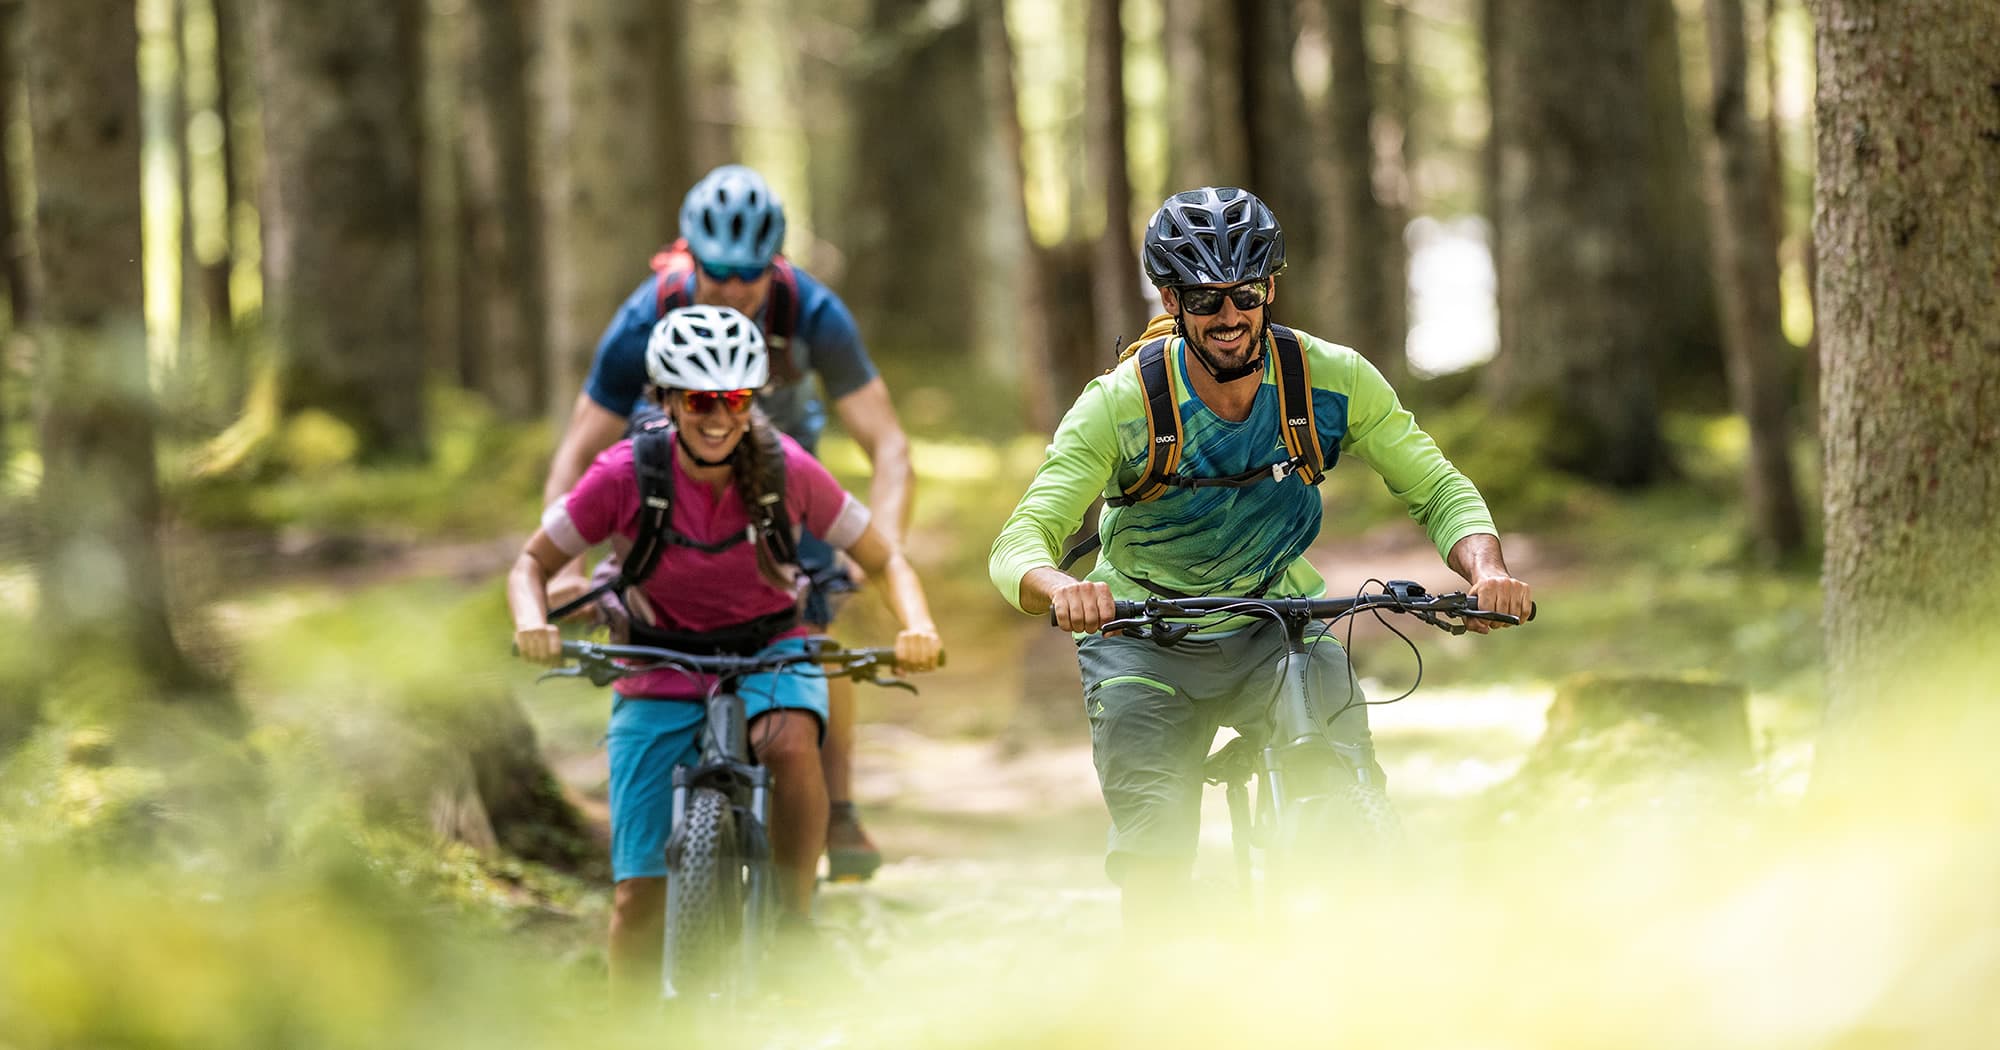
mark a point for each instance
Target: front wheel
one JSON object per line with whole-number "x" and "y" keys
{"x": 704, "y": 898}
{"x": 1329, "y": 843}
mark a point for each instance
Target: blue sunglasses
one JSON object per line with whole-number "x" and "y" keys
{"x": 719, "y": 272}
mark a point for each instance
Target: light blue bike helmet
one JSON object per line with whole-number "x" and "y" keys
{"x": 731, "y": 218}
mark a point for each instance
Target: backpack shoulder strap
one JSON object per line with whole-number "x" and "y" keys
{"x": 1295, "y": 406}
{"x": 652, "y": 463}
{"x": 781, "y": 319}
{"x": 1163, "y": 427}
{"x": 671, "y": 265}
{"x": 770, "y": 517}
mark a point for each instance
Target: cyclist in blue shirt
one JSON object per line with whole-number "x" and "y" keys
{"x": 732, "y": 226}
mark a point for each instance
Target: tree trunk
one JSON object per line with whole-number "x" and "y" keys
{"x": 1205, "y": 135}
{"x": 102, "y": 585}
{"x": 1680, "y": 306}
{"x": 1114, "y": 266}
{"x": 1040, "y": 399}
{"x": 1907, "y": 218}
{"x": 343, "y": 213}
{"x": 915, "y": 170}
{"x": 1280, "y": 156}
{"x": 1746, "y": 272}
{"x": 1577, "y": 342}
{"x": 500, "y": 255}
{"x": 675, "y": 166}
{"x": 13, "y": 245}
{"x": 602, "y": 213}
{"x": 1358, "y": 227}
{"x": 234, "y": 92}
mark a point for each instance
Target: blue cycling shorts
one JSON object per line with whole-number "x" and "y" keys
{"x": 648, "y": 738}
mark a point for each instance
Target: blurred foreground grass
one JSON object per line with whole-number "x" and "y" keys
{"x": 164, "y": 886}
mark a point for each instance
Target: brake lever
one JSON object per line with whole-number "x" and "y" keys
{"x": 568, "y": 671}
{"x": 893, "y": 683}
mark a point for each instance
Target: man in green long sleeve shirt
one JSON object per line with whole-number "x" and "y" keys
{"x": 1215, "y": 253}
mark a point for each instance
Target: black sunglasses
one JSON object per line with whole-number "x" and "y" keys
{"x": 1203, "y": 300}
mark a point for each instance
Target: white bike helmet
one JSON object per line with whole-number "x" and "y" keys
{"x": 707, "y": 348}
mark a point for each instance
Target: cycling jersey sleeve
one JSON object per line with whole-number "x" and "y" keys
{"x": 1081, "y": 460}
{"x": 1386, "y": 437}
{"x": 604, "y": 502}
{"x": 618, "y": 373}
{"x": 835, "y": 344}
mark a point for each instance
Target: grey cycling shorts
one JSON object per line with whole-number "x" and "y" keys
{"x": 1154, "y": 712}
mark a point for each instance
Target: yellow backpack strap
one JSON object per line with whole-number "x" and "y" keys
{"x": 1163, "y": 427}
{"x": 1295, "y": 406}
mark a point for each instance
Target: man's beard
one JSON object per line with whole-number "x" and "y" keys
{"x": 1236, "y": 364}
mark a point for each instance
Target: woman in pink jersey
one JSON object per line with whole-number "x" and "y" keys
{"x": 721, "y": 583}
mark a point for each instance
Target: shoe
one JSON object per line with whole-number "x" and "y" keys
{"x": 850, "y": 855}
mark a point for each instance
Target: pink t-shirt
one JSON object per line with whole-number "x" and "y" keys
{"x": 693, "y": 590}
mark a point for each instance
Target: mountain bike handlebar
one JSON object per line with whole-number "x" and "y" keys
{"x": 603, "y": 663}
{"x": 1402, "y": 596}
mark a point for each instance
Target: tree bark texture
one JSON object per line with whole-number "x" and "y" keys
{"x": 919, "y": 123}
{"x": 1114, "y": 269}
{"x": 500, "y": 254}
{"x": 1746, "y": 277}
{"x": 1907, "y": 221}
{"x": 343, "y": 214}
{"x": 602, "y": 214}
{"x": 102, "y": 584}
{"x": 1358, "y": 232}
{"x": 1578, "y": 347}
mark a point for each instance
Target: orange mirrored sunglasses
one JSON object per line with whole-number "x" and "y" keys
{"x": 702, "y": 402}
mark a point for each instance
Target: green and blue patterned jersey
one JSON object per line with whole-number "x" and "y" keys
{"x": 1225, "y": 541}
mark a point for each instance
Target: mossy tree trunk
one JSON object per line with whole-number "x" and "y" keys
{"x": 1746, "y": 279}
{"x": 102, "y": 584}
{"x": 343, "y": 214}
{"x": 1907, "y": 221}
{"x": 1577, "y": 344}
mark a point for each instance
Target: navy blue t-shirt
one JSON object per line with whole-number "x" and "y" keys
{"x": 826, "y": 343}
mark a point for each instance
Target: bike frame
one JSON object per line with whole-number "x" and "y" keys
{"x": 1298, "y": 728}
{"x": 728, "y": 766}
{"x": 727, "y": 763}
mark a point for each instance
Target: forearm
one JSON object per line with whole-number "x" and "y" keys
{"x": 1038, "y": 584}
{"x": 905, "y": 595}
{"x": 527, "y": 593}
{"x": 1477, "y": 557}
{"x": 890, "y": 491}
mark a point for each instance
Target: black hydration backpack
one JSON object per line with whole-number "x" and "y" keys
{"x": 770, "y": 525}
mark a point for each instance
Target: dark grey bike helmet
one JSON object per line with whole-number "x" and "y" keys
{"x": 1213, "y": 235}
